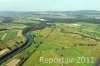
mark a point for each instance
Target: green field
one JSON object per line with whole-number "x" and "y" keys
{"x": 10, "y": 36}
{"x": 71, "y": 43}
{"x": 60, "y": 40}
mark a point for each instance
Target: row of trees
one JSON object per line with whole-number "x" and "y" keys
{"x": 71, "y": 20}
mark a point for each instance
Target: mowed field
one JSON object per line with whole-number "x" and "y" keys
{"x": 6, "y": 36}
{"x": 1, "y": 34}
{"x": 11, "y": 39}
{"x": 10, "y": 36}
{"x": 74, "y": 44}
{"x": 11, "y": 33}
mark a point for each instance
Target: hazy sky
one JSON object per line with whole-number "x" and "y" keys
{"x": 48, "y": 5}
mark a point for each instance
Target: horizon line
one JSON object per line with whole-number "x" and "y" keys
{"x": 46, "y": 10}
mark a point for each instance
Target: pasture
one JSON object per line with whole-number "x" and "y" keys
{"x": 66, "y": 44}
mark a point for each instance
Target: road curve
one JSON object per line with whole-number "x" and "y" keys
{"x": 27, "y": 43}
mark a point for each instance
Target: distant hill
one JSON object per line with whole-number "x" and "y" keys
{"x": 76, "y": 14}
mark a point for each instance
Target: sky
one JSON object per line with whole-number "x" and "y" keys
{"x": 49, "y": 5}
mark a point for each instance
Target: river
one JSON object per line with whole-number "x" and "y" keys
{"x": 28, "y": 42}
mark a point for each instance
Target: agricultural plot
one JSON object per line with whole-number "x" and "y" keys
{"x": 10, "y": 39}
{"x": 60, "y": 40}
{"x": 13, "y": 62}
{"x": 1, "y": 35}
{"x": 12, "y": 26}
{"x": 10, "y": 36}
{"x": 72, "y": 43}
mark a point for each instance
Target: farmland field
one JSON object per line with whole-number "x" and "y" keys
{"x": 10, "y": 36}
{"x": 49, "y": 40}
{"x": 66, "y": 44}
